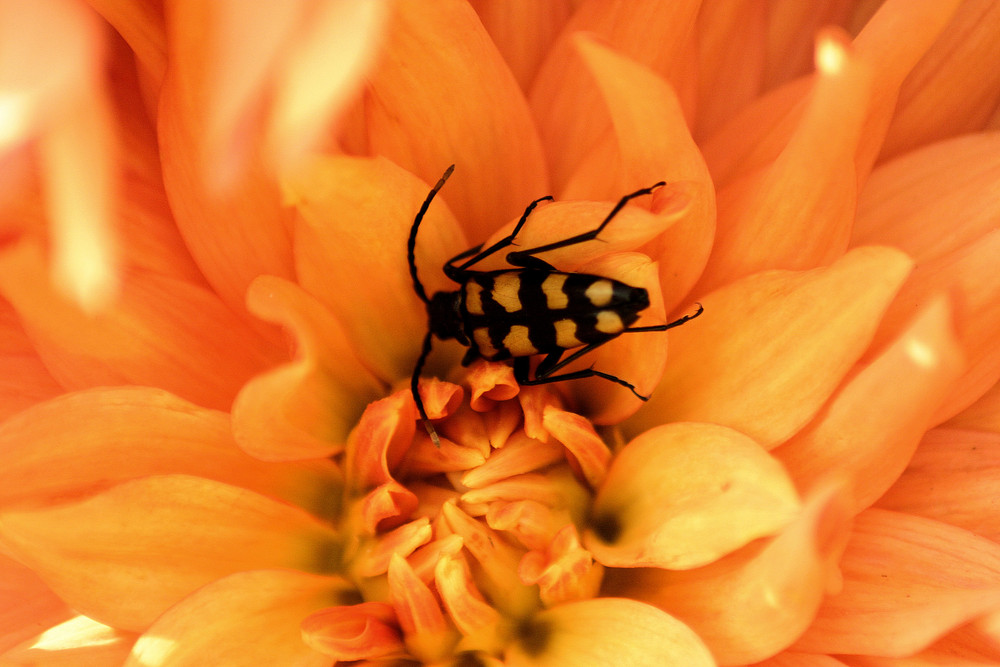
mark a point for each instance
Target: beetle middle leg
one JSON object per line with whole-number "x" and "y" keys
{"x": 522, "y": 367}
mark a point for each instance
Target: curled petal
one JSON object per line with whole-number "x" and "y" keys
{"x": 564, "y": 571}
{"x": 81, "y": 443}
{"x": 907, "y": 581}
{"x": 305, "y": 408}
{"x": 238, "y": 619}
{"x": 755, "y": 602}
{"x": 520, "y": 454}
{"x": 792, "y": 336}
{"x": 606, "y": 631}
{"x": 472, "y": 615}
{"x": 380, "y": 440}
{"x": 588, "y": 453}
{"x": 354, "y": 218}
{"x": 683, "y": 495}
{"x": 126, "y": 555}
{"x": 428, "y": 634}
{"x": 402, "y": 541}
{"x": 363, "y": 631}
{"x": 867, "y": 434}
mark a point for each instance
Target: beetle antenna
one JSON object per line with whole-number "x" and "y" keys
{"x": 414, "y": 380}
{"x": 411, "y": 245}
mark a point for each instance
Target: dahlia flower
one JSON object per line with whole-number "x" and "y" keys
{"x": 209, "y": 450}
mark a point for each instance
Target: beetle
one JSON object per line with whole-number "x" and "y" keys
{"x": 529, "y": 309}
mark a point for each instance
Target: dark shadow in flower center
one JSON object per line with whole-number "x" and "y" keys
{"x": 533, "y": 635}
{"x": 606, "y": 527}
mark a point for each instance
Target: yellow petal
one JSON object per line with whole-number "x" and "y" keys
{"x": 866, "y": 434}
{"x": 606, "y": 631}
{"x": 126, "y": 555}
{"x": 757, "y": 601}
{"x": 441, "y": 94}
{"x": 771, "y": 348}
{"x": 682, "y": 495}
{"x": 81, "y": 443}
{"x": 237, "y": 620}
{"x": 907, "y": 581}
{"x": 350, "y": 252}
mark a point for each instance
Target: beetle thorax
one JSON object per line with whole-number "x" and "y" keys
{"x": 444, "y": 311}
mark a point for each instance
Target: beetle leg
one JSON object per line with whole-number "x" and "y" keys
{"x": 669, "y": 325}
{"x": 521, "y": 257}
{"x": 550, "y": 361}
{"x": 455, "y": 272}
{"x": 414, "y": 382}
{"x": 522, "y": 367}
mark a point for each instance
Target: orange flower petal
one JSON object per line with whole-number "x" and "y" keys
{"x": 954, "y": 477}
{"x": 354, "y": 632}
{"x": 163, "y": 332}
{"x": 757, "y": 601}
{"x": 794, "y": 659}
{"x": 126, "y": 555}
{"x": 791, "y": 336}
{"x": 26, "y": 605}
{"x": 797, "y": 213}
{"x": 428, "y": 634}
{"x": 141, "y": 26}
{"x": 305, "y": 408}
{"x": 437, "y": 57}
{"x": 907, "y": 581}
{"x": 682, "y": 495}
{"x": 606, "y": 631}
{"x": 82, "y": 443}
{"x": 652, "y": 33}
{"x": 523, "y": 32}
{"x": 474, "y": 617}
{"x": 949, "y": 92}
{"x": 78, "y": 641}
{"x": 587, "y": 451}
{"x": 24, "y": 379}
{"x": 350, "y": 252}
{"x": 867, "y": 434}
{"x": 653, "y": 144}
{"x": 237, "y": 620}
{"x": 983, "y": 415}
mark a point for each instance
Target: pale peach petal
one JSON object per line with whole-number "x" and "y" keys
{"x": 757, "y": 601}
{"x": 437, "y": 58}
{"x": 141, "y": 25}
{"x": 682, "y": 495}
{"x": 523, "y": 31}
{"x": 950, "y": 92}
{"x": 954, "y": 477}
{"x": 126, "y": 555}
{"x": 865, "y": 434}
{"x": 797, "y": 212}
{"x": 85, "y": 442}
{"x": 305, "y": 408}
{"x": 350, "y": 252}
{"x": 653, "y": 144}
{"x": 78, "y": 642}
{"x": 163, "y": 332}
{"x": 789, "y": 336}
{"x": 968, "y": 275}
{"x": 651, "y": 33}
{"x": 238, "y": 620}
{"x": 27, "y": 606}
{"x": 606, "y": 631}
{"x": 907, "y": 581}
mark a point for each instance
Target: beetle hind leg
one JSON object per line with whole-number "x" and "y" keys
{"x": 522, "y": 368}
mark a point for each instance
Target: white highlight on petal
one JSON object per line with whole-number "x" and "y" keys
{"x": 830, "y": 55}
{"x": 15, "y": 115}
{"x": 923, "y": 355}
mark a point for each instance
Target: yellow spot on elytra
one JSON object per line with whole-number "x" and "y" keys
{"x": 482, "y": 338}
{"x": 505, "y": 289}
{"x": 517, "y": 342}
{"x": 552, "y": 288}
{"x": 474, "y": 298}
{"x": 600, "y": 292}
{"x": 609, "y": 322}
{"x": 566, "y": 334}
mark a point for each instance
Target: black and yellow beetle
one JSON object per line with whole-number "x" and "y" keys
{"x": 529, "y": 309}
